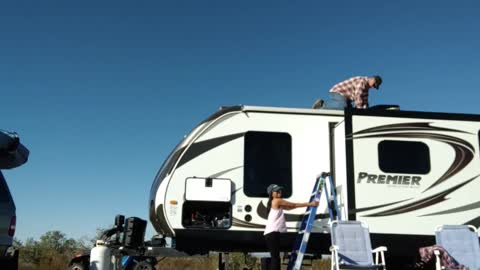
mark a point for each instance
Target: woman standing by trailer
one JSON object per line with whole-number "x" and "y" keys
{"x": 276, "y": 222}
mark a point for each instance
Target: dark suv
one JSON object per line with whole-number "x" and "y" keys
{"x": 12, "y": 155}
{"x": 7, "y": 221}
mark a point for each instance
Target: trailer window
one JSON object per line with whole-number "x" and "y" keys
{"x": 267, "y": 160}
{"x": 404, "y": 157}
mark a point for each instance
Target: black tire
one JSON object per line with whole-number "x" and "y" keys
{"x": 77, "y": 266}
{"x": 144, "y": 265}
{"x": 8, "y": 263}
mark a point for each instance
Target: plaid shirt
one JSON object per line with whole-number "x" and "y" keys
{"x": 427, "y": 254}
{"x": 354, "y": 89}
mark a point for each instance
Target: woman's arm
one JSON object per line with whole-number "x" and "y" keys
{"x": 281, "y": 203}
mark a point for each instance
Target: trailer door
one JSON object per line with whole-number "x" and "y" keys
{"x": 338, "y": 157}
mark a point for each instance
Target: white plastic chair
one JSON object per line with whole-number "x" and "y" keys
{"x": 352, "y": 249}
{"x": 461, "y": 242}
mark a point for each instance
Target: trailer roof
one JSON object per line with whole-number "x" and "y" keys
{"x": 380, "y": 110}
{"x": 264, "y": 109}
{"x": 247, "y": 108}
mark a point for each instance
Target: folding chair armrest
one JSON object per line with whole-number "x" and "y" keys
{"x": 380, "y": 256}
{"x": 333, "y": 248}
{"x": 380, "y": 249}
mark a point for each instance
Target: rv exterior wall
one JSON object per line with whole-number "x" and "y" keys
{"x": 310, "y": 156}
{"x": 430, "y": 178}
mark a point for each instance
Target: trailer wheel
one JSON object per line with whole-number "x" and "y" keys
{"x": 143, "y": 265}
{"x": 77, "y": 266}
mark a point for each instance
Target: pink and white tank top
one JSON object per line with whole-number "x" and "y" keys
{"x": 275, "y": 221}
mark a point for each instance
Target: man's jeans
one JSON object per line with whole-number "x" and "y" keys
{"x": 337, "y": 102}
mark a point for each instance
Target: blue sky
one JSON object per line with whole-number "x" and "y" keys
{"x": 101, "y": 92}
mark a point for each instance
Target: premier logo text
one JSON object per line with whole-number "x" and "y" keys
{"x": 386, "y": 179}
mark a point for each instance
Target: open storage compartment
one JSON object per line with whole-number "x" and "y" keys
{"x": 207, "y": 203}
{"x": 207, "y": 215}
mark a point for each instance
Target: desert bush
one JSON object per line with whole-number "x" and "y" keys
{"x": 52, "y": 251}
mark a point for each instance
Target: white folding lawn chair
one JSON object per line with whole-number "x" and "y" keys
{"x": 461, "y": 242}
{"x": 352, "y": 248}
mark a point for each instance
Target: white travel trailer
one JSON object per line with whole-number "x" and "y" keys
{"x": 401, "y": 172}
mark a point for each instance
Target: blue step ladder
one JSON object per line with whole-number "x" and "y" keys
{"x": 300, "y": 247}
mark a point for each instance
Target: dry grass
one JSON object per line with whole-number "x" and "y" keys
{"x": 53, "y": 263}
{"x": 237, "y": 262}
{"x": 188, "y": 263}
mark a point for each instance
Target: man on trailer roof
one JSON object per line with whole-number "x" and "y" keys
{"x": 354, "y": 89}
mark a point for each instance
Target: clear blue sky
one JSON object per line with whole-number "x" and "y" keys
{"x": 101, "y": 92}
